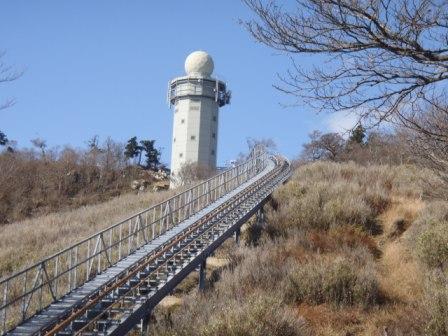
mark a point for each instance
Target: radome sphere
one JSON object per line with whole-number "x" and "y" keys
{"x": 199, "y": 63}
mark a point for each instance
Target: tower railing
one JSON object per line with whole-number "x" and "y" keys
{"x": 28, "y": 291}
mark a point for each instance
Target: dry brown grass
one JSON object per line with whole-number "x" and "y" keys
{"x": 23, "y": 243}
{"x": 170, "y": 302}
{"x": 400, "y": 215}
{"x": 401, "y": 276}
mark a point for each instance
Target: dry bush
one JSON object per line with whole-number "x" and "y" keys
{"x": 430, "y": 236}
{"x": 194, "y": 172}
{"x": 340, "y": 237}
{"x": 323, "y": 205}
{"x": 256, "y": 315}
{"x": 432, "y": 245}
{"x": 324, "y": 195}
{"x": 339, "y": 280}
{"x": 435, "y": 303}
{"x": 257, "y": 269}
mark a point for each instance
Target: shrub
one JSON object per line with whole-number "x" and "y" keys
{"x": 435, "y": 304}
{"x": 326, "y": 205}
{"x": 334, "y": 281}
{"x": 325, "y": 195}
{"x": 430, "y": 236}
{"x": 262, "y": 268}
{"x": 337, "y": 238}
{"x": 432, "y": 245}
{"x": 259, "y": 314}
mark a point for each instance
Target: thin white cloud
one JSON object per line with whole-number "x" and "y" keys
{"x": 341, "y": 122}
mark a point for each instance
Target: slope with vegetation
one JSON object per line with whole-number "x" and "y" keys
{"x": 347, "y": 250}
{"x": 23, "y": 243}
{"x": 34, "y": 183}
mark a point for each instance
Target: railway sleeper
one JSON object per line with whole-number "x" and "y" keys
{"x": 122, "y": 290}
{"x": 129, "y": 299}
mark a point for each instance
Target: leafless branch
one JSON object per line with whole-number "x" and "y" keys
{"x": 7, "y": 74}
{"x": 382, "y": 55}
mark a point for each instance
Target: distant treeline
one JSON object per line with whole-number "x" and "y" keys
{"x": 40, "y": 180}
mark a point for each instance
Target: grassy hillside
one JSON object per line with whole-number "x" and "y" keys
{"x": 347, "y": 250}
{"x": 25, "y": 242}
{"x": 33, "y": 184}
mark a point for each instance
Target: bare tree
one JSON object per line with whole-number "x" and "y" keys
{"x": 267, "y": 143}
{"x": 112, "y": 155}
{"x": 431, "y": 148}
{"x": 328, "y": 146}
{"x": 7, "y": 74}
{"x": 41, "y": 144}
{"x": 193, "y": 172}
{"x": 388, "y": 59}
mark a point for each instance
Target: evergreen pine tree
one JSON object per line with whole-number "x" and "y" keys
{"x": 3, "y": 139}
{"x": 358, "y": 135}
{"x": 152, "y": 154}
{"x": 132, "y": 149}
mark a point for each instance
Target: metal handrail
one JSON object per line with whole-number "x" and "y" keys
{"x": 28, "y": 291}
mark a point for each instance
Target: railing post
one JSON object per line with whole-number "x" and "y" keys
{"x": 4, "y": 312}
{"x": 260, "y": 217}
{"x": 56, "y": 275}
{"x": 120, "y": 238}
{"x": 144, "y": 325}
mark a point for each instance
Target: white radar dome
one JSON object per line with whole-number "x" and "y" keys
{"x": 199, "y": 63}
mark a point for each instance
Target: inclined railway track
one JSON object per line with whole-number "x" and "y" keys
{"x": 121, "y": 297}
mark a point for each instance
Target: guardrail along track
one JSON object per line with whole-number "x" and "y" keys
{"x": 107, "y": 283}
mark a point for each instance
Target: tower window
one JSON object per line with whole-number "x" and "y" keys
{"x": 174, "y": 140}
{"x": 181, "y": 154}
{"x": 182, "y": 121}
{"x": 194, "y": 108}
{"x": 213, "y": 152}
{"x": 214, "y": 118}
{"x": 193, "y": 137}
{"x": 214, "y": 135}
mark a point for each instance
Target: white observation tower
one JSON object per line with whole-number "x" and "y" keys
{"x": 196, "y": 99}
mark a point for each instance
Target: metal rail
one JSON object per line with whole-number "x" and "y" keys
{"x": 93, "y": 286}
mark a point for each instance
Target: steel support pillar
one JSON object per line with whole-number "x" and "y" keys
{"x": 144, "y": 325}
{"x": 237, "y": 236}
{"x": 202, "y": 269}
{"x": 260, "y": 217}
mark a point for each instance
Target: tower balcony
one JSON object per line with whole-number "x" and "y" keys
{"x": 198, "y": 87}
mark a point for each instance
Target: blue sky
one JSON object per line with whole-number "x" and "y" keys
{"x": 102, "y": 68}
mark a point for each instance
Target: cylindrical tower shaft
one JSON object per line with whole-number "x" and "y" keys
{"x": 196, "y": 99}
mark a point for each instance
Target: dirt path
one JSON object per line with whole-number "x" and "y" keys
{"x": 400, "y": 277}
